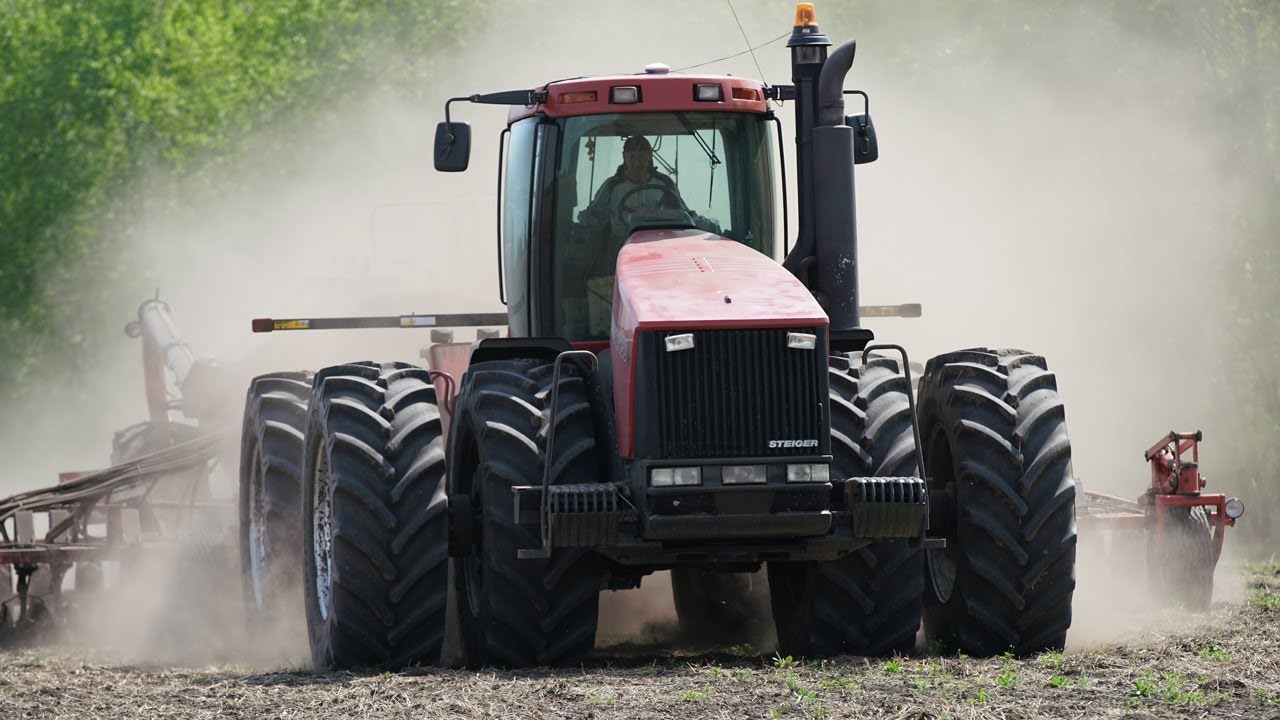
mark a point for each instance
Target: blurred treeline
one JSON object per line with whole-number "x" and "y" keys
{"x": 96, "y": 96}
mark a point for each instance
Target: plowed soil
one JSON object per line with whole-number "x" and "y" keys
{"x": 1224, "y": 664}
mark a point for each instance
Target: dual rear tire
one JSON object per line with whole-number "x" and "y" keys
{"x": 375, "y": 518}
{"x": 270, "y": 497}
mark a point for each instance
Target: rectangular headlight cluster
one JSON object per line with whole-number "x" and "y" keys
{"x": 809, "y": 473}
{"x": 683, "y": 341}
{"x": 669, "y": 477}
{"x": 743, "y": 475}
{"x": 802, "y": 341}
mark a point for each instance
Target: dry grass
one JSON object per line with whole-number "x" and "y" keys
{"x": 1228, "y": 666}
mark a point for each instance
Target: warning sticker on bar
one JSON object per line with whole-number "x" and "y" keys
{"x": 292, "y": 324}
{"x": 417, "y": 320}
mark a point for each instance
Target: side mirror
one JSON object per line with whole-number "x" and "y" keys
{"x": 453, "y": 146}
{"x": 865, "y": 149}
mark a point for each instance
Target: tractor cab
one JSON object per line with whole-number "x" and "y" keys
{"x": 592, "y": 163}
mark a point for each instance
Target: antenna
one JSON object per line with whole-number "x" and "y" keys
{"x": 730, "y": 57}
{"x": 747, "y": 41}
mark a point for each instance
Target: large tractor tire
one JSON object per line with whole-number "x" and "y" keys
{"x": 522, "y": 612}
{"x": 867, "y": 603}
{"x": 271, "y": 452}
{"x": 716, "y": 608}
{"x": 1180, "y": 560}
{"x": 998, "y": 461}
{"x": 375, "y": 518}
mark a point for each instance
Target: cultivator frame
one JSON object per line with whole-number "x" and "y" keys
{"x": 94, "y": 517}
{"x": 116, "y": 513}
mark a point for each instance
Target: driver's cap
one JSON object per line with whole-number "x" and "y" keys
{"x": 637, "y": 142}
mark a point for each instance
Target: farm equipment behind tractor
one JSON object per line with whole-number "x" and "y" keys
{"x": 667, "y": 397}
{"x": 154, "y": 499}
{"x": 1184, "y": 527}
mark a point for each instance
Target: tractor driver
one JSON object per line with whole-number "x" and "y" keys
{"x": 636, "y": 184}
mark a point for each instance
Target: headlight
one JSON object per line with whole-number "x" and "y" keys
{"x": 1234, "y": 508}
{"x": 815, "y": 473}
{"x": 802, "y": 341}
{"x": 667, "y": 477}
{"x": 742, "y": 475}
{"x": 675, "y": 343}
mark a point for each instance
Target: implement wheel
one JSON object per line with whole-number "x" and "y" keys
{"x": 376, "y": 525}
{"x": 998, "y": 460}
{"x": 867, "y": 603}
{"x": 1180, "y": 559}
{"x": 275, "y": 412}
{"x": 522, "y": 612}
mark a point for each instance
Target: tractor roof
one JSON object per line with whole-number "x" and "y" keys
{"x": 654, "y": 92}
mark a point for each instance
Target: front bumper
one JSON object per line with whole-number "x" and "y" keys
{"x": 712, "y": 522}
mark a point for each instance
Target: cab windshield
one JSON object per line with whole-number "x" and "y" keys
{"x": 620, "y": 173}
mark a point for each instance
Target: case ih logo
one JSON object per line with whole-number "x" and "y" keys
{"x": 775, "y": 444}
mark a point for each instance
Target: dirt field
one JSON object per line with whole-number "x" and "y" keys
{"x": 1225, "y": 664}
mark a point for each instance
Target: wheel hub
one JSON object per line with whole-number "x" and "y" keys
{"x": 257, "y": 530}
{"x": 322, "y": 534}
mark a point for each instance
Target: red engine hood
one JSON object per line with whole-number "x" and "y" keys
{"x": 688, "y": 278}
{"x": 672, "y": 279}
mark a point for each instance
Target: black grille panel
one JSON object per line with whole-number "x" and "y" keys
{"x": 736, "y": 391}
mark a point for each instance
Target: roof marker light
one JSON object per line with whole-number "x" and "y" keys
{"x": 707, "y": 93}
{"x": 577, "y": 97}
{"x": 624, "y": 95}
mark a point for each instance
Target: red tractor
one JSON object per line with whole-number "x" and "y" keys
{"x": 668, "y": 396}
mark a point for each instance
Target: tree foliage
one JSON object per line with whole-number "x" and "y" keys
{"x": 94, "y": 93}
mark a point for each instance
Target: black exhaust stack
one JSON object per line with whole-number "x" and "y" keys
{"x": 836, "y": 219}
{"x": 825, "y": 257}
{"x": 808, "y": 54}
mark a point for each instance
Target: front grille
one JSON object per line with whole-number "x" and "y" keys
{"x": 736, "y": 391}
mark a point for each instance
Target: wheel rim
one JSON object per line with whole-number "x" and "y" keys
{"x": 941, "y": 564}
{"x": 472, "y": 565}
{"x": 322, "y": 533}
{"x": 257, "y": 529}
{"x": 942, "y": 573}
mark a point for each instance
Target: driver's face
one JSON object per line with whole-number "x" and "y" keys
{"x": 638, "y": 164}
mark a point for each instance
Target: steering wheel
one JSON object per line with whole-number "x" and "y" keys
{"x": 669, "y": 200}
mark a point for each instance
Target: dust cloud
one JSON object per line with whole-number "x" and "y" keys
{"x": 1025, "y": 194}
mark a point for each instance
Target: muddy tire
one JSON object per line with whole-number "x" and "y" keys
{"x": 522, "y": 612}
{"x": 1180, "y": 563}
{"x": 375, "y": 518}
{"x": 867, "y": 603}
{"x": 998, "y": 460}
{"x": 270, "y": 503}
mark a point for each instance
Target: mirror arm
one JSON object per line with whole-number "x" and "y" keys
{"x": 866, "y": 101}
{"x": 528, "y": 98}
